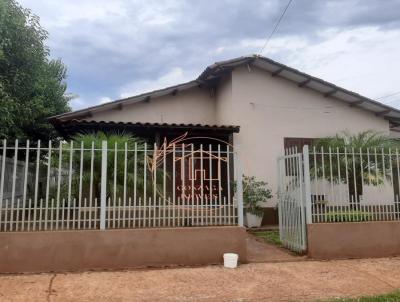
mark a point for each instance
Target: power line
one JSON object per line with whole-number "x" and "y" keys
{"x": 276, "y": 26}
{"x": 389, "y": 95}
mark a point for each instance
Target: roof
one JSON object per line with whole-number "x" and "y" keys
{"x": 144, "y": 97}
{"x": 211, "y": 75}
{"x": 73, "y": 126}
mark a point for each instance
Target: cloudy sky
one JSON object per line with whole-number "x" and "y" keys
{"x": 119, "y": 48}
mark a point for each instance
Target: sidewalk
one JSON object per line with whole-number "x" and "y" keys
{"x": 284, "y": 281}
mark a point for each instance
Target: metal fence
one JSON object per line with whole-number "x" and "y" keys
{"x": 335, "y": 185}
{"x": 350, "y": 184}
{"x": 103, "y": 186}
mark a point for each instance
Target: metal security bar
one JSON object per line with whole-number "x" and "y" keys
{"x": 74, "y": 186}
{"x": 354, "y": 185}
{"x": 292, "y": 224}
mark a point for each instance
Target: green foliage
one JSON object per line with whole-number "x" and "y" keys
{"x": 269, "y": 236}
{"x": 362, "y": 140}
{"x": 113, "y": 140}
{"x": 32, "y": 87}
{"x": 391, "y": 297}
{"x": 366, "y": 169}
{"x": 351, "y": 216}
{"x": 255, "y": 192}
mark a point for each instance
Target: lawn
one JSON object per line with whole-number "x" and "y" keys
{"x": 269, "y": 236}
{"x": 391, "y": 297}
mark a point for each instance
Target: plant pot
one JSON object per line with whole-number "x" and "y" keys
{"x": 253, "y": 221}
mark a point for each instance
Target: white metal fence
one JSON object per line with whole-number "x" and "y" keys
{"x": 350, "y": 184}
{"x": 102, "y": 186}
{"x": 335, "y": 185}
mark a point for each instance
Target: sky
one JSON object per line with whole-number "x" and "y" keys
{"x": 120, "y": 48}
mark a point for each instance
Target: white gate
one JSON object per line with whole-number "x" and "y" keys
{"x": 291, "y": 196}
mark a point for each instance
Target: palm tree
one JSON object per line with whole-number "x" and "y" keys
{"x": 114, "y": 140}
{"x": 356, "y": 163}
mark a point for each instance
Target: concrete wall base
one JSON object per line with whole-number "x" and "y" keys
{"x": 353, "y": 240}
{"x": 118, "y": 249}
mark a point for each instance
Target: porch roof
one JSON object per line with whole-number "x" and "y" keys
{"x": 68, "y": 128}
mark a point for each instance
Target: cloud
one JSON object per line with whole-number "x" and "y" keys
{"x": 117, "y": 47}
{"x": 105, "y": 99}
{"x": 78, "y": 103}
{"x": 364, "y": 59}
{"x": 173, "y": 77}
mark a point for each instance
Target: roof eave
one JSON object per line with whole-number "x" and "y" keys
{"x": 219, "y": 68}
{"x": 114, "y": 104}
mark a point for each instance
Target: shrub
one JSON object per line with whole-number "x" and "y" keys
{"x": 351, "y": 216}
{"x": 254, "y": 192}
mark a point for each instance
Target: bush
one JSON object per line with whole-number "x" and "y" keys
{"x": 254, "y": 192}
{"x": 352, "y": 216}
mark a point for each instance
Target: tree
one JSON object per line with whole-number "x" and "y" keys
{"x": 354, "y": 166}
{"x": 114, "y": 140}
{"x": 32, "y": 86}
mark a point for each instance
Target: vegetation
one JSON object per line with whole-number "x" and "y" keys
{"x": 366, "y": 169}
{"x": 269, "y": 236}
{"x": 391, "y": 297}
{"x": 113, "y": 139}
{"x": 351, "y": 216}
{"x": 32, "y": 86}
{"x": 255, "y": 192}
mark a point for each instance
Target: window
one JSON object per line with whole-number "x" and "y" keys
{"x": 297, "y": 142}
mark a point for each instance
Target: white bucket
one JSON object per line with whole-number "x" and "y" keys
{"x": 230, "y": 260}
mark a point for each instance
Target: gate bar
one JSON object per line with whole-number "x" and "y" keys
{"x": 307, "y": 183}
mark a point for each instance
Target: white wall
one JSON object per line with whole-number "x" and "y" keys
{"x": 191, "y": 106}
{"x": 270, "y": 108}
{"x": 224, "y": 101}
{"x": 266, "y": 108}
{"x": 338, "y": 194}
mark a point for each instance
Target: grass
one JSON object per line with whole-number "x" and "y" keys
{"x": 391, "y": 297}
{"x": 269, "y": 236}
{"x": 352, "y": 216}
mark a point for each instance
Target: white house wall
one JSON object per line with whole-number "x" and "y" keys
{"x": 191, "y": 106}
{"x": 338, "y": 194}
{"x": 266, "y": 108}
{"x": 224, "y": 101}
{"x": 270, "y": 108}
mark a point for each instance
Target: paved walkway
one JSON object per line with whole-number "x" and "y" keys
{"x": 286, "y": 281}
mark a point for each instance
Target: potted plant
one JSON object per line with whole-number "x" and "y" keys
{"x": 254, "y": 193}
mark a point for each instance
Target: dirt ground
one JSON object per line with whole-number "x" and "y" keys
{"x": 275, "y": 274}
{"x": 260, "y": 251}
{"x": 279, "y": 281}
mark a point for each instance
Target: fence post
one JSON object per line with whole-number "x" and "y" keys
{"x": 239, "y": 187}
{"x": 307, "y": 183}
{"x": 3, "y": 166}
{"x": 103, "y": 192}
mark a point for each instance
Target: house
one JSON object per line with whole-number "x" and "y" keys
{"x": 255, "y": 104}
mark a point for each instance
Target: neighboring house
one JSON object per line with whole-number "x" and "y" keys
{"x": 274, "y": 107}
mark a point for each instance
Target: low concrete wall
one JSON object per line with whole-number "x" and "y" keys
{"x": 353, "y": 240}
{"x": 118, "y": 249}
